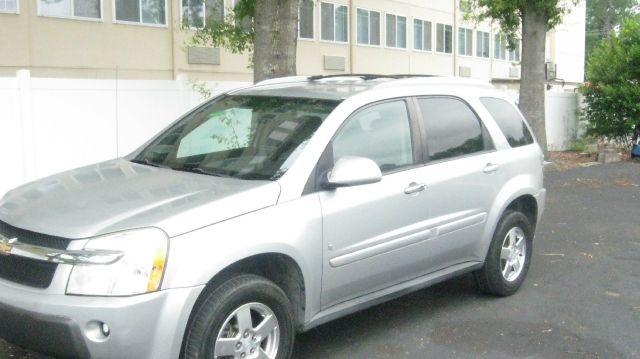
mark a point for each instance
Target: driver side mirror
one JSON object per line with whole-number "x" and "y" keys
{"x": 353, "y": 171}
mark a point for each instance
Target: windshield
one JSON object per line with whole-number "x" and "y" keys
{"x": 248, "y": 137}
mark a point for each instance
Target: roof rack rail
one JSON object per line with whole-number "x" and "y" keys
{"x": 281, "y": 80}
{"x": 367, "y": 76}
{"x": 436, "y": 80}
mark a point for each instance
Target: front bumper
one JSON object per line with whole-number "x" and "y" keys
{"x": 143, "y": 326}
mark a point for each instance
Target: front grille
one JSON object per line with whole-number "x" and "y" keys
{"x": 36, "y": 239}
{"x": 28, "y": 271}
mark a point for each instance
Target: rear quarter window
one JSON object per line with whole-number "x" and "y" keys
{"x": 509, "y": 120}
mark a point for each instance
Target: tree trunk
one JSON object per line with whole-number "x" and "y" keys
{"x": 275, "y": 41}
{"x": 532, "y": 83}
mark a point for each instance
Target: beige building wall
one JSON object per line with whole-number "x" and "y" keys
{"x": 106, "y": 48}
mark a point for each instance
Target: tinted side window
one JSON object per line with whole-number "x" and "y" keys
{"x": 452, "y": 128}
{"x": 380, "y": 132}
{"x": 509, "y": 121}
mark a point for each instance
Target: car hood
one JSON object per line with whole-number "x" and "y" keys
{"x": 118, "y": 195}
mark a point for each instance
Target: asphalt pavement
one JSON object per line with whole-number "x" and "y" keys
{"x": 581, "y": 298}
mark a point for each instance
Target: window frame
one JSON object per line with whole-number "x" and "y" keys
{"x": 17, "y": 10}
{"x": 68, "y": 17}
{"x": 517, "y": 52}
{"x": 313, "y": 21}
{"x": 335, "y": 6}
{"x": 431, "y": 33}
{"x": 500, "y": 47}
{"x": 466, "y": 32}
{"x": 406, "y": 32}
{"x": 480, "y": 44}
{"x": 140, "y": 23}
{"x": 444, "y": 35}
{"x": 224, "y": 15}
{"x": 237, "y": 22}
{"x": 369, "y": 27}
{"x": 424, "y": 133}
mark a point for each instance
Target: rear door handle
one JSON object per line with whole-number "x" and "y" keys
{"x": 490, "y": 168}
{"x": 415, "y": 188}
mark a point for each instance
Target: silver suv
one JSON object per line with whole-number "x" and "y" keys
{"x": 270, "y": 210}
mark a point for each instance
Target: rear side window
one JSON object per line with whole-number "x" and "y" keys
{"x": 509, "y": 120}
{"x": 452, "y": 128}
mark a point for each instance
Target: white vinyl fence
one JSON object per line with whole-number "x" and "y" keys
{"x": 51, "y": 125}
{"x": 562, "y": 123}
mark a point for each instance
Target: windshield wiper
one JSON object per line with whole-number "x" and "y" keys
{"x": 146, "y": 161}
{"x": 203, "y": 171}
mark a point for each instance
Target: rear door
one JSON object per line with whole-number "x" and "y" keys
{"x": 463, "y": 176}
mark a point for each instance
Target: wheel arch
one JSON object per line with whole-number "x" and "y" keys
{"x": 279, "y": 268}
{"x": 519, "y": 194}
{"x": 527, "y": 205}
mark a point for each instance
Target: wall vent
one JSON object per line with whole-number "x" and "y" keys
{"x": 464, "y": 71}
{"x": 333, "y": 62}
{"x": 203, "y": 55}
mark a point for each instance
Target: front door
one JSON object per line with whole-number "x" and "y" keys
{"x": 374, "y": 235}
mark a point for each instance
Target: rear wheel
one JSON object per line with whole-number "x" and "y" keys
{"x": 509, "y": 256}
{"x": 246, "y": 317}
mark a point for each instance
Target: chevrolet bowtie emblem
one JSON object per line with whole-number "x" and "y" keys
{"x": 6, "y": 245}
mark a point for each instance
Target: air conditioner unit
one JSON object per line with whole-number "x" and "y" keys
{"x": 550, "y": 71}
{"x": 334, "y": 63}
{"x": 464, "y": 71}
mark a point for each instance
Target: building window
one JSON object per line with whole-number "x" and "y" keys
{"x": 465, "y": 41}
{"x": 514, "y": 55}
{"x": 334, "y": 22}
{"x": 482, "y": 44}
{"x": 9, "y": 5}
{"x": 245, "y": 23}
{"x": 421, "y": 35}
{"x": 499, "y": 47}
{"x": 396, "y": 31}
{"x": 90, "y": 9}
{"x": 305, "y": 26}
{"x": 142, "y": 11}
{"x": 444, "y": 38}
{"x": 196, "y": 12}
{"x": 368, "y": 25}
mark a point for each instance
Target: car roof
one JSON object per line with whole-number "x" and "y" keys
{"x": 340, "y": 87}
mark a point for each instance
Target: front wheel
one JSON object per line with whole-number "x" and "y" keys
{"x": 509, "y": 256}
{"x": 246, "y": 317}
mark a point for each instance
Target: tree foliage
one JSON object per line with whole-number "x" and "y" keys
{"x": 613, "y": 90}
{"x": 603, "y": 16}
{"x": 530, "y": 20}
{"x": 509, "y": 13}
{"x": 266, "y": 29}
{"x": 235, "y": 33}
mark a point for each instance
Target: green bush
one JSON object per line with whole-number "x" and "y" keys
{"x": 612, "y": 94}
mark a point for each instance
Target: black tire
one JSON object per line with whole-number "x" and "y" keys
{"x": 237, "y": 294}
{"x": 490, "y": 278}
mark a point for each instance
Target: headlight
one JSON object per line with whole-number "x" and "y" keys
{"x": 139, "y": 270}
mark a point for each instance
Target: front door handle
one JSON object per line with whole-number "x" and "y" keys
{"x": 490, "y": 168}
{"x": 415, "y": 188}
